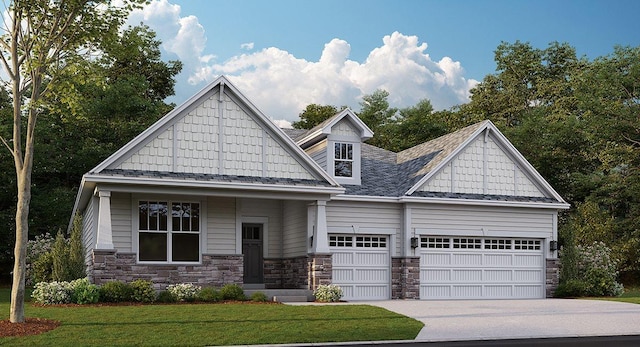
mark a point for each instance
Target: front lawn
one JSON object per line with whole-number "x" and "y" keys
{"x": 212, "y": 324}
{"x": 631, "y": 294}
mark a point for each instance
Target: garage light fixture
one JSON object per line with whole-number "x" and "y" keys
{"x": 414, "y": 242}
{"x": 553, "y": 245}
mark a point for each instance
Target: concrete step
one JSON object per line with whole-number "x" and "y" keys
{"x": 283, "y": 295}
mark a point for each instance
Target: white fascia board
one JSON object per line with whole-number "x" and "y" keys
{"x": 495, "y": 203}
{"x": 365, "y": 132}
{"x": 212, "y": 185}
{"x": 82, "y": 197}
{"x": 366, "y": 198}
{"x": 446, "y": 161}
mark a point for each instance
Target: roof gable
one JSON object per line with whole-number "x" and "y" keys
{"x": 476, "y": 160}
{"x": 344, "y": 120}
{"x": 217, "y": 132}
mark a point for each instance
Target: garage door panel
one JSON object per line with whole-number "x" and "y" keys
{"x": 369, "y": 291}
{"x": 435, "y": 275}
{"x": 498, "y": 291}
{"x": 371, "y": 275}
{"x": 342, "y": 259}
{"x": 435, "y": 292}
{"x": 372, "y": 259}
{"x": 466, "y": 259}
{"x": 466, "y": 291}
{"x": 467, "y": 275}
{"x": 498, "y": 275}
{"x": 534, "y": 276}
{"x": 527, "y": 291}
{"x": 498, "y": 259}
{"x": 436, "y": 259}
{"x": 342, "y": 275}
{"x": 527, "y": 260}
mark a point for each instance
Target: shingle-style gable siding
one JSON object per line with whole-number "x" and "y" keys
{"x": 344, "y": 129}
{"x": 482, "y": 168}
{"x": 194, "y": 144}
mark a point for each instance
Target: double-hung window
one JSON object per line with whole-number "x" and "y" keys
{"x": 343, "y": 159}
{"x": 168, "y": 231}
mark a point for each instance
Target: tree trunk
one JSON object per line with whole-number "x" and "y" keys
{"x": 20, "y": 252}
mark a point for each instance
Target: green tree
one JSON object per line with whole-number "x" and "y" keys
{"x": 376, "y": 113}
{"x": 315, "y": 114}
{"x": 416, "y": 125}
{"x": 40, "y": 36}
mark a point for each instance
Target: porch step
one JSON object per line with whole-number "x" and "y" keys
{"x": 283, "y": 295}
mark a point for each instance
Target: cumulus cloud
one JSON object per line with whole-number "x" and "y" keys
{"x": 282, "y": 85}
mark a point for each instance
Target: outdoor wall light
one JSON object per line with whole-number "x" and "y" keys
{"x": 414, "y": 242}
{"x": 553, "y": 245}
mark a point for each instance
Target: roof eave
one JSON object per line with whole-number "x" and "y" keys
{"x": 495, "y": 203}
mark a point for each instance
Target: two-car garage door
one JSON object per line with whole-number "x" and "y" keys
{"x": 481, "y": 268}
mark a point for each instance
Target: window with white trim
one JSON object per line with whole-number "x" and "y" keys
{"x": 340, "y": 241}
{"x": 434, "y": 242}
{"x": 530, "y": 245}
{"x": 371, "y": 241}
{"x": 343, "y": 159}
{"x": 467, "y": 243}
{"x": 497, "y": 244}
{"x": 168, "y": 239}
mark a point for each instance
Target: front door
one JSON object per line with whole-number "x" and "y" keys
{"x": 252, "y": 251}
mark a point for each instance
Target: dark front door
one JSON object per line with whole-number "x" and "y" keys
{"x": 252, "y": 251}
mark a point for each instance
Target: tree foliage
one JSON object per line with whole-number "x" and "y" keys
{"x": 315, "y": 114}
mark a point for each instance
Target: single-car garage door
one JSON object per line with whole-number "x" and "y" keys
{"x": 361, "y": 266}
{"x": 481, "y": 268}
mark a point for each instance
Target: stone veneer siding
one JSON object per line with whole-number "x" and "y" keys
{"x": 288, "y": 273}
{"x": 215, "y": 270}
{"x": 320, "y": 267}
{"x": 405, "y": 278}
{"x": 552, "y": 276}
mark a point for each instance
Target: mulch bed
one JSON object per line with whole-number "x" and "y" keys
{"x": 31, "y": 326}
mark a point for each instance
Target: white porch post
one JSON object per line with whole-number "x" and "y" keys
{"x": 105, "y": 233}
{"x": 321, "y": 237}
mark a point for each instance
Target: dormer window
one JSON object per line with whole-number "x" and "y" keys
{"x": 343, "y": 159}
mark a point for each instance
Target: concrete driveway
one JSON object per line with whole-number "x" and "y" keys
{"x": 515, "y": 319}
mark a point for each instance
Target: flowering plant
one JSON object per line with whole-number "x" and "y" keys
{"x": 52, "y": 293}
{"x": 328, "y": 293}
{"x": 184, "y": 291}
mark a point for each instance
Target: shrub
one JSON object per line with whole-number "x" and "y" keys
{"x": 232, "y": 292}
{"x": 209, "y": 294}
{"x": 40, "y": 270}
{"x": 36, "y": 249}
{"x": 115, "y": 292}
{"x": 84, "y": 292}
{"x": 328, "y": 293}
{"x": 166, "y": 297}
{"x": 142, "y": 291}
{"x": 52, "y": 293}
{"x": 593, "y": 272}
{"x": 75, "y": 251}
{"x": 259, "y": 297}
{"x": 184, "y": 291}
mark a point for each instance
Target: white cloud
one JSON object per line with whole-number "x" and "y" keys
{"x": 247, "y": 46}
{"x": 282, "y": 85}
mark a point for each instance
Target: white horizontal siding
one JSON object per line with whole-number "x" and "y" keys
{"x": 365, "y": 218}
{"x": 221, "y": 225}
{"x": 478, "y": 221}
{"x": 89, "y": 228}
{"x": 294, "y": 228}
{"x": 318, "y": 152}
{"x": 121, "y": 224}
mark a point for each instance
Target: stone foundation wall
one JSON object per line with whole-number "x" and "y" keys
{"x": 215, "y": 270}
{"x": 320, "y": 267}
{"x": 288, "y": 273}
{"x": 405, "y": 278}
{"x": 552, "y": 276}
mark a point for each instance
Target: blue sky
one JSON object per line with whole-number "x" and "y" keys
{"x": 286, "y": 54}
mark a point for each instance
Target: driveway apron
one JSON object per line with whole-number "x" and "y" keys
{"x": 509, "y": 319}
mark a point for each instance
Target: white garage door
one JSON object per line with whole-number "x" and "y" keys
{"x": 481, "y": 268}
{"x": 361, "y": 266}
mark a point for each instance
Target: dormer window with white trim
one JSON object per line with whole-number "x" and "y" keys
{"x": 343, "y": 159}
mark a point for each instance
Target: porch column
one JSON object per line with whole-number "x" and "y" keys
{"x": 321, "y": 237}
{"x": 105, "y": 233}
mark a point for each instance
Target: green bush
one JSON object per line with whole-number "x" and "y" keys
{"x": 115, "y": 292}
{"x": 184, "y": 291}
{"x": 571, "y": 289}
{"x": 84, "y": 292}
{"x": 588, "y": 271}
{"x": 41, "y": 268}
{"x": 328, "y": 293}
{"x": 232, "y": 292}
{"x": 52, "y": 293}
{"x": 166, "y": 297}
{"x": 142, "y": 291}
{"x": 259, "y": 297}
{"x": 209, "y": 294}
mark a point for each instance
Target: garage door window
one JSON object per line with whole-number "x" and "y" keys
{"x": 430, "y": 242}
{"x": 341, "y": 241}
{"x": 371, "y": 241}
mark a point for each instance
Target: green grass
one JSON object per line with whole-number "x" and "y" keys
{"x": 631, "y": 295}
{"x": 212, "y": 324}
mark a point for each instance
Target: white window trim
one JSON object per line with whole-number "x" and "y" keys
{"x": 356, "y": 177}
{"x": 135, "y": 201}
